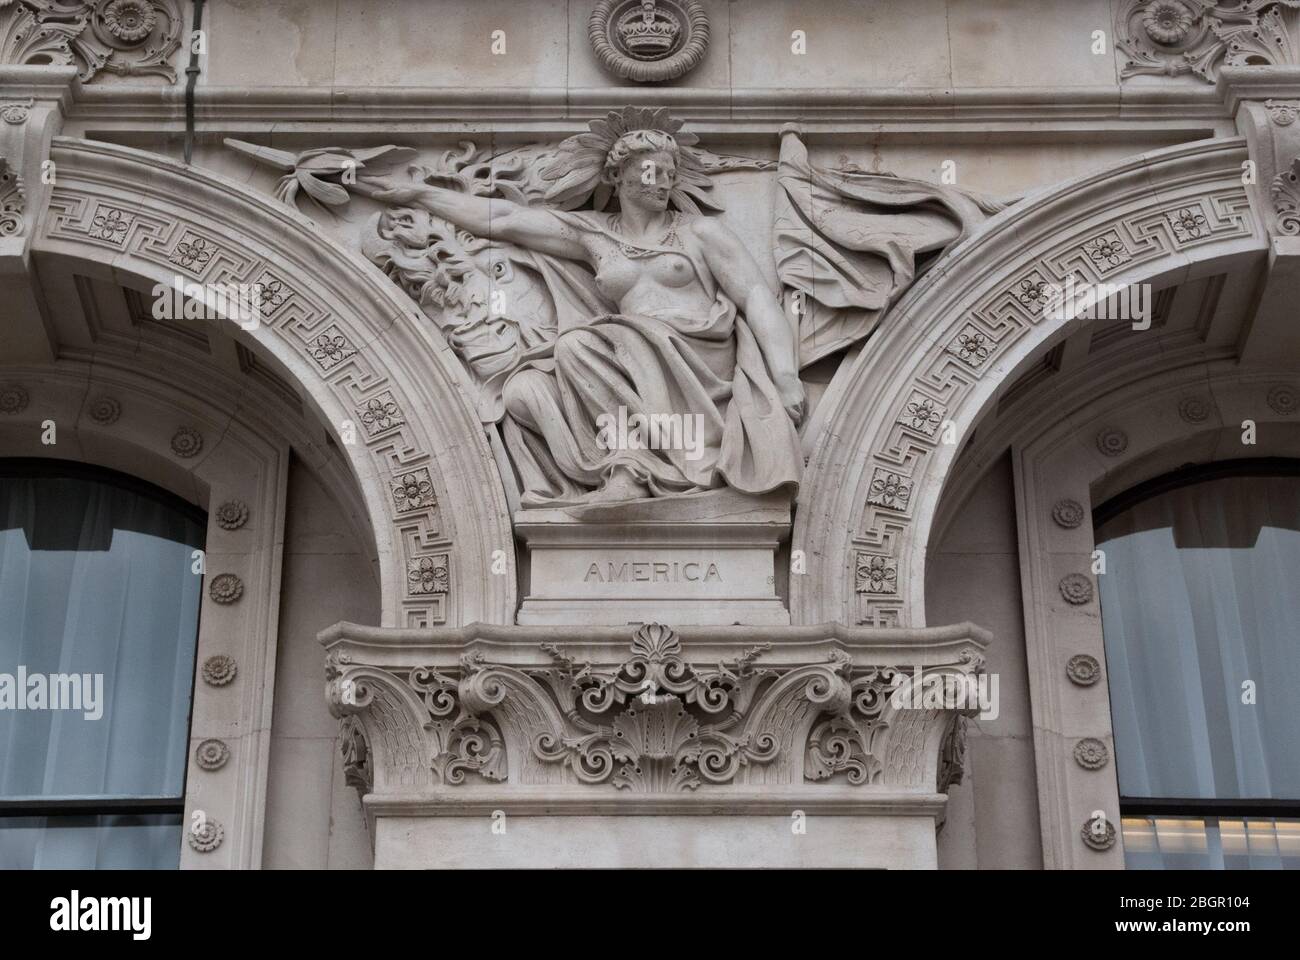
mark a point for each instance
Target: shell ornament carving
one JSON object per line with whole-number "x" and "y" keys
{"x": 649, "y": 40}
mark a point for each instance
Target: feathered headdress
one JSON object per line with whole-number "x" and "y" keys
{"x": 576, "y": 172}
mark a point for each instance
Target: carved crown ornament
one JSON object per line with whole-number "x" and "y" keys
{"x": 1176, "y": 37}
{"x": 649, "y": 40}
{"x": 125, "y": 37}
{"x": 728, "y": 708}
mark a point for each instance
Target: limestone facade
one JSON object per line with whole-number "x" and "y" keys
{"x": 449, "y": 622}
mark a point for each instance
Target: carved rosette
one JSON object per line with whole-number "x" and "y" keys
{"x": 653, "y": 722}
{"x": 1091, "y": 753}
{"x": 1098, "y": 833}
{"x": 1068, "y": 513}
{"x": 125, "y": 37}
{"x": 649, "y": 40}
{"x": 211, "y": 754}
{"x": 206, "y": 836}
{"x": 232, "y": 514}
{"x": 1175, "y": 37}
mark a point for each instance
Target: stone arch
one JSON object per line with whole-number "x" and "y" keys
{"x": 353, "y": 344}
{"x": 198, "y": 439}
{"x": 966, "y": 329}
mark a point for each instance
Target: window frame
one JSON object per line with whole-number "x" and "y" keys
{"x": 18, "y": 807}
{"x": 1186, "y": 476}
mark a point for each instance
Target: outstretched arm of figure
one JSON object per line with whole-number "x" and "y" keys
{"x": 490, "y": 218}
{"x": 743, "y": 282}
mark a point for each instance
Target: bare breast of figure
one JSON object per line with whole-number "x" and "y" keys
{"x": 659, "y": 282}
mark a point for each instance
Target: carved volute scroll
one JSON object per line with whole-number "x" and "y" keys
{"x": 756, "y": 706}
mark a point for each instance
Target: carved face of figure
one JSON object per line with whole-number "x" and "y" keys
{"x": 646, "y": 180}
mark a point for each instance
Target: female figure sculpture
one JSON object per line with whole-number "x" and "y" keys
{"x": 691, "y": 330}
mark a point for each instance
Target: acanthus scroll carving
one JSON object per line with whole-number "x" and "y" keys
{"x": 653, "y": 723}
{"x": 1176, "y": 37}
{"x": 125, "y": 37}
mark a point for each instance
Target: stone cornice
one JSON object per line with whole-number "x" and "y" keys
{"x": 561, "y": 108}
{"x": 569, "y": 720}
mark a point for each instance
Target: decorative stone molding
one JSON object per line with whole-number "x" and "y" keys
{"x": 1282, "y": 112}
{"x": 957, "y": 335}
{"x": 13, "y": 398}
{"x": 206, "y": 836}
{"x": 105, "y": 411}
{"x": 357, "y": 768}
{"x": 232, "y": 515}
{"x": 126, "y": 37}
{"x": 211, "y": 754}
{"x": 186, "y": 442}
{"x": 225, "y": 588}
{"x": 1091, "y": 753}
{"x": 177, "y": 206}
{"x": 649, "y": 40}
{"x": 1112, "y": 441}
{"x": 1076, "y": 588}
{"x": 1098, "y": 832}
{"x": 1083, "y": 669}
{"x": 1283, "y": 399}
{"x": 219, "y": 670}
{"x": 1194, "y": 409}
{"x": 1175, "y": 37}
{"x": 1068, "y": 513}
{"x": 877, "y": 574}
{"x": 15, "y": 112}
{"x": 13, "y": 201}
{"x": 716, "y": 708}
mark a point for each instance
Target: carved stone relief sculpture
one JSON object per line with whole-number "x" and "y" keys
{"x": 126, "y": 37}
{"x": 649, "y": 40}
{"x": 598, "y": 278}
{"x": 1175, "y": 37}
{"x": 657, "y": 720}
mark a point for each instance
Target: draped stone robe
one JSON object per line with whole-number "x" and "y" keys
{"x": 659, "y": 362}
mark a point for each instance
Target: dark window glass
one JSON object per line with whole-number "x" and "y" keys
{"x": 99, "y": 604}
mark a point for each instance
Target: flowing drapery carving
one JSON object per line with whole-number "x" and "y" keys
{"x": 593, "y": 281}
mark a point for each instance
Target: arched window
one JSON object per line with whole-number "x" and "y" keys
{"x": 99, "y": 608}
{"x": 1200, "y": 607}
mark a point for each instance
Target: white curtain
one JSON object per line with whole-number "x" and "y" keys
{"x": 1200, "y": 608}
{"x": 95, "y": 578}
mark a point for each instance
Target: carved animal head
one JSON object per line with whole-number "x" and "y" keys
{"x": 485, "y": 295}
